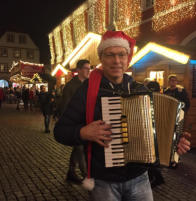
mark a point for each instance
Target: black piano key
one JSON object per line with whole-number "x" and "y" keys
{"x": 118, "y": 163}
{"x": 117, "y": 152}
{"x": 115, "y": 159}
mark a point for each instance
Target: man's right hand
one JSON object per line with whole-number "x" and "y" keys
{"x": 97, "y": 131}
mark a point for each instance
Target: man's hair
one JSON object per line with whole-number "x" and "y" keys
{"x": 172, "y": 76}
{"x": 42, "y": 86}
{"x": 81, "y": 63}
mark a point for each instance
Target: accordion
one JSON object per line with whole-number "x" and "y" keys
{"x": 145, "y": 128}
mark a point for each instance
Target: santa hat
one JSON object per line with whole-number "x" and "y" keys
{"x": 116, "y": 38}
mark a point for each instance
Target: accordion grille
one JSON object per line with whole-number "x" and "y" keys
{"x": 141, "y": 146}
{"x": 165, "y": 110}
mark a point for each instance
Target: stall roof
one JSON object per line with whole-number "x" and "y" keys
{"x": 153, "y": 52}
{"x": 77, "y": 52}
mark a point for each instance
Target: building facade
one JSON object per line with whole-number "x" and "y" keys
{"x": 15, "y": 46}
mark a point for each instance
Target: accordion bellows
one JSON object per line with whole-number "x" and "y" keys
{"x": 143, "y": 128}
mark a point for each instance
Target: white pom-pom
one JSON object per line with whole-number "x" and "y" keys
{"x": 88, "y": 184}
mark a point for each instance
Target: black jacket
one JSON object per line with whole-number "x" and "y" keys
{"x": 67, "y": 129}
{"x": 180, "y": 94}
{"x": 47, "y": 103}
{"x": 68, "y": 91}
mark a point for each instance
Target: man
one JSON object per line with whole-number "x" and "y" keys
{"x": 177, "y": 91}
{"x": 77, "y": 155}
{"x": 46, "y": 101}
{"x": 129, "y": 182}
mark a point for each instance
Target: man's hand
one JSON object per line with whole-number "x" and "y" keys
{"x": 184, "y": 144}
{"x": 97, "y": 131}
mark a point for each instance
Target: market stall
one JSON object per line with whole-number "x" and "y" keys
{"x": 28, "y": 74}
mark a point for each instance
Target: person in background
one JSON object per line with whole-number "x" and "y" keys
{"x": 177, "y": 91}
{"x": 46, "y": 101}
{"x": 77, "y": 155}
{"x": 25, "y": 98}
{"x": 1, "y": 96}
{"x": 31, "y": 98}
{"x": 18, "y": 97}
{"x": 146, "y": 81}
{"x": 81, "y": 124}
{"x": 153, "y": 86}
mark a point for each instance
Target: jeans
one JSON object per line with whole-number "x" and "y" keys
{"x": 137, "y": 189}
{"x": 77, "y": 157}
{"x": 47, "y": 121}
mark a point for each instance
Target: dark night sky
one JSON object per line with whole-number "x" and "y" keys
{"x": 37, "y": 18}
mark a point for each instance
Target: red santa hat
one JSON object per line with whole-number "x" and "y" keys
{"x": 116, "y": 38}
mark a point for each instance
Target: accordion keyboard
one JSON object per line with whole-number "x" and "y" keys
{"x": 111, "y": 113}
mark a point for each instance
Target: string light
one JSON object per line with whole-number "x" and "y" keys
{"x": 167, "y": 52}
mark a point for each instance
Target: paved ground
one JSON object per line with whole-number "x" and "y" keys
{"x": 33, "y": 165}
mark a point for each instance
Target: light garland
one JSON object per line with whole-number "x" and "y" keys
{"x": 52, "y": 53}
{"x": 167, "y": 52}
{"x": 58, "y": 44}
{"x": 36, "y": 75}
{"x": 79, "y": 28}
{"x": 59, "y": 67}
{"x": 167, "y": 15}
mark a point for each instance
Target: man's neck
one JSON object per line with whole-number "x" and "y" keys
{"x": 117, "y": 80}
{"x": 81, "y": 78}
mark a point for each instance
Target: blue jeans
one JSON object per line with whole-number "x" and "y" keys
{"x": 137, "y": 189}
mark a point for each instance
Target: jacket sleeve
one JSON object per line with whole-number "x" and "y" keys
{"x": 185, "y": 99}
{"x": 67, "y": 129}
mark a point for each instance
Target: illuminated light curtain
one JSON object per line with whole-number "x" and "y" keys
{"x": 168, "y": 13}
{"x": 52, "y": 53}
{"x": 99, "y": 17}
{"x": 79, "y": 28}
{"x": 58, "y": 45}
{"x": 91, "y": 8}
{"x": 67, "y": 38}
{"x": 129, "y": 16}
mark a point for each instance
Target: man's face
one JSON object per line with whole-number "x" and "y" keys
{"x": 172, "y": 82}
{"x": 114, "y": 62}
{"x": 43, "y": 89}
{"x": 84, "y": 71}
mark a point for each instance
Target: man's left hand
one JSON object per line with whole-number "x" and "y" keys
{"x": 184, "y": 144}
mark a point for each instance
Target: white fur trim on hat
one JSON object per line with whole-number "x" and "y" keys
{"x": 111, "y": 42}
{"x": 88, "y": 184}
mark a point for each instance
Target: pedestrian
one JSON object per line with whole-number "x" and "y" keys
{"x": 131, "y": 181}
{"x": 153, "y": 86}
{"x": 177, "y": 91}
{"x": 18, "y": 97}
{"x": 25, "y": 98}
{"x": 77, "y": 154}
{"x": 1, "y": 96}
{"x": 46, "y": 101}
{"x": 31, "y": 98}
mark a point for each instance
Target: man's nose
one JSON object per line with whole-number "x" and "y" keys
{"x": 116, "y": 58}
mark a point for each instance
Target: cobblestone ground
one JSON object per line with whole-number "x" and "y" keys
{"x": 33, "y": 165}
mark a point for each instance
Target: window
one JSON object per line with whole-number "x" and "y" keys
{"x": 22, "y": 39}
{"x": 3, "y": 52}
{"x": 30, "y": 54}
{"x": 10, "y": 38}
{"x": 17, "y": 53}
{"x": 145, "y": 4}
{"x": 4, "y": 68}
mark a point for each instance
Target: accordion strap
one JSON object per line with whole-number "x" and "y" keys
{"x": 93, "y": 88}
